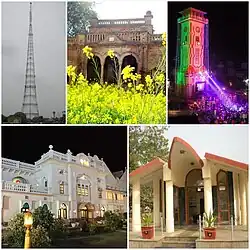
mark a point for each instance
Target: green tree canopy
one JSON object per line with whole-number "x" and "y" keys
{"x": 79, "y": 16}
{"x": 146, "y": 143}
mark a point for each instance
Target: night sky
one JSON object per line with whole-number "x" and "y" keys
{"x": 27, "y": 144}
{"x": 228, "y": 29}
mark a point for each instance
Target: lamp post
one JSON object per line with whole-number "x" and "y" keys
{"x": 28, "y": 221}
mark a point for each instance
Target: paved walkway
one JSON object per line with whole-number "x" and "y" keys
{"x": 223, "y": 233}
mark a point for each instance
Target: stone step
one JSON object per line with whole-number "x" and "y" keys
{"x": 181, "y": 239}
{"x": 178, "y": 244}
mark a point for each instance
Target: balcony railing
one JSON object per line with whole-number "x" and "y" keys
{"x": 17, "y": 165}
{"x": 21, "y": 187}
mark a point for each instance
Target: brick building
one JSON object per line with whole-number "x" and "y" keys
{"x": 132, "y": 40}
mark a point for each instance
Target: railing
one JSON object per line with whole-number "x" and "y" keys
{"x": 121, "y": 22}
{"x": 21, "y": 187}
{"x": 156, "y": 37}
{"x": 17, "y": 164}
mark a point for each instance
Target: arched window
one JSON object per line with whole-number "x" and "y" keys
{"x": 223, "y": 199}
{"x": 19, "y": 179}
{"x": 62, "y": 212}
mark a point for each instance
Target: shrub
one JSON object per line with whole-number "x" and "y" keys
{"x": 59, "y": 229}
{"x": 92, "y": 228}
{"x": 15, "y": 233}
{"x": 112, "y": 221}
{"x": 40, "y": 238}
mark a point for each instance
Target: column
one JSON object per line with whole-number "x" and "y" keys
{"x": 243, "y": 199}
{"x": 156, "y": 201}
{"x": 236, "y": 199}
{"x": 136, "y": 206}
{"x": 208, "y": 198}
{"x": 169, "y": 206}
{"x": 102, "y": 71}
{"x": 70, "y": 191}
{"x": 163, "y": 201}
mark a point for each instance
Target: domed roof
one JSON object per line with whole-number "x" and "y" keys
{"x": 148, "y": 13}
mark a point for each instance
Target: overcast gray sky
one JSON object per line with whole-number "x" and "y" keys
{"x": 122, "y": 9}
{"x": 229, "y": 141}
{"x": 49, "y": 46}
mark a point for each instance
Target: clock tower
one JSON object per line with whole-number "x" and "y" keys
{"x": 192, "y": 52}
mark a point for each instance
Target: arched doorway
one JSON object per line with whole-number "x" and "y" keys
{"x": 194, "y": 189}
{"x": 111, "y": 70}
{"x": 83, "y": 211}
{"x": 223, "y": 198}
{"x": 130, "y": 60}
{"x": 62, "y": 212}
{"x": 94, "y": 69}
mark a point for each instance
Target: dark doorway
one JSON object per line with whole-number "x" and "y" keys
{"x": 94, "y": 69}
{"x": 130, "y": 60}
{"x": 111, "y": 70}
{"x": 202, "y": 207}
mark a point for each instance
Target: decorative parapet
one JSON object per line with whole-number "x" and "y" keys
{"x": 68, "y": 157}
{"x": 28, "y": 188}
{"x": 115, "y": 22}
{"x": 17, "y": 165}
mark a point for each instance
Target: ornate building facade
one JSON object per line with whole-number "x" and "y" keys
{"x": 78, "y": 186}
{"x": 132, "y": 40}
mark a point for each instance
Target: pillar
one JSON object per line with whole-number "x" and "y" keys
{"x": 136, "y": 206}
{"x": 102, "y": 71}
{"x": 243, "y": 199}
{"x": 71, "y": 214}
{"x": 208, "y": 198}
{"x": 236, "y": 199}
{"x": 163, "y": 201}
{"x": 156, "y": 202}
{"x": 169, "y": 206}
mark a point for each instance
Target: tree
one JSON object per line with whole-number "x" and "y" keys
{"x": 79, "y": 16}
{"x": 146, "y": 143}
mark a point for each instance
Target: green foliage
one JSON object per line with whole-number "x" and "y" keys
{"x": 15, "y": 233}
{"x": 40, "y": 238}
{"x": 147, "y": 219}
{"x": 92, "y": 228}
{"x": 59, "y": 229}
{"x": 79, "y": 15}
{"x": 110, "y": 104}
{"x": 209, "y": 219}
{"x": 44, "y": 231}
{"x": 43, "y": 217}
{"x": 112, "y": 221}
{"x": 146, "y": 143}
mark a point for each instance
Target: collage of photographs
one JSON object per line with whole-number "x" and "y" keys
{"x": 124, "y": 124}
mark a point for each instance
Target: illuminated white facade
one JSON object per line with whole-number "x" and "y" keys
{"x": 71, "y": 186}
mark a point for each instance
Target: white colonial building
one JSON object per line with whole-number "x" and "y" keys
{"x": 71, "y": 186}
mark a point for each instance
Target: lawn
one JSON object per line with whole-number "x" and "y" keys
{"x": 116, "y": 239}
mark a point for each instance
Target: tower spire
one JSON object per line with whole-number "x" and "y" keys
{"x": 30, "y": 105}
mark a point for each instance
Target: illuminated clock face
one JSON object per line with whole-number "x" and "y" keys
{"x": 197, "y": 29}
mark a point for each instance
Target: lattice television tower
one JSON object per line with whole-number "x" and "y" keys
{"x": 30, "y": 105}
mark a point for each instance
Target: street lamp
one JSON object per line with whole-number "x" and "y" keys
{"x": 28, "y": 221}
